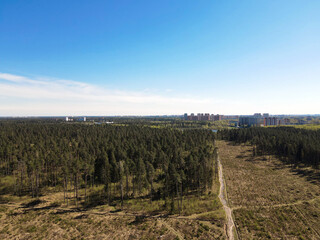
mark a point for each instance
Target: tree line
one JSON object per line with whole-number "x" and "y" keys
{"x": 293, "y": 144}
{"x": 128, "y": 160}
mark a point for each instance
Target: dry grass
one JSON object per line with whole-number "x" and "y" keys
{"x": 270, "y": 199}
{"x": 50, "y": 218}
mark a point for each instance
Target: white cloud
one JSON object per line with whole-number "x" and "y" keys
{"x": 45, "y": 96}
{"x": 24, "y": 96}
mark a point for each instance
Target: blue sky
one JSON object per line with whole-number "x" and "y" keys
{"x": 159, "y": 57}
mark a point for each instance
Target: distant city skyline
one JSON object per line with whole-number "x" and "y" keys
{"x": 65, "y": 58}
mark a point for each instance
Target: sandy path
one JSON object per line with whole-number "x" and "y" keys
{"x": 222, "y": 197}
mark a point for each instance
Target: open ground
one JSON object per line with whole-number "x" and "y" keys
{"x": 49, "y": 217}
{"x": 270, "y": 199}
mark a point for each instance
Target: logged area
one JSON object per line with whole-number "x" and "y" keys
{"x": 270, "y": 199}
{"x": 48, "y": 218}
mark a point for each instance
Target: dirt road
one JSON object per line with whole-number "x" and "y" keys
{"x": 223, "y": 199}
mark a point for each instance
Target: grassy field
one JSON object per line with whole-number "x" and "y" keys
{"x": 309, "y": 126}
{"x": 48, "y": 217}
{"x": 303, "y": 126}
{"x": 269, "y": 199}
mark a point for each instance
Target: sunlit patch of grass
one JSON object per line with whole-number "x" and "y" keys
{"x": 212, "y": 216}
{"x": 308, "y": 126}
{"x": 6, "y": 184}
{"x": 144, "y": 205}
{"x": 195, "y": 205}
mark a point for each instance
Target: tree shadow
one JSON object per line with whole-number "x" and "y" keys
{"x": 30, "y": 206}
{"x": 65, "y": 211}
{"x": 94, "y": 200}
{"x": 301, "y": 170}
{"x": 82, "y": 216}
{"x": 33, "y": 203}
{"x": 139, "y": 219}
{"x": 116, "y": 211}
{"x": 3, "y": 200}
{"x": 312, "y": 176}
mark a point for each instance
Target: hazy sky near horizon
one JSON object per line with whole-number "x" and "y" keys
{"x": 159, "y": 57}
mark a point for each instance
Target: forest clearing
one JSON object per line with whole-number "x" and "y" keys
{"x": 47, "y": 217}
{"x": 270, "y": 199}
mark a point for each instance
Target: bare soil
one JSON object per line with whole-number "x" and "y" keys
{"x": 223, "y": 199}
